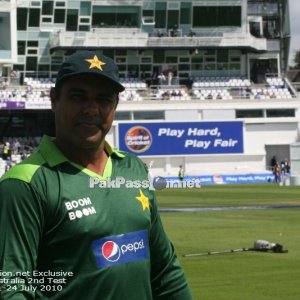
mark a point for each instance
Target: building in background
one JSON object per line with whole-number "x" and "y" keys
{"x": 192, "y": 38}
{"x": 229, "y": 56}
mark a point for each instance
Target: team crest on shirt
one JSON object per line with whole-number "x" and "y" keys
{"x": 144, "y": 200}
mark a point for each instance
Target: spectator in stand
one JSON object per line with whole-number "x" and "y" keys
{"x": 161, "y": 78}
{"x": 16, "y": 146}
{"x": 191, "y": 33}
{"x": 166, "y": 95}
{"x": 5, "y": 84}
{"x": 159, "y": 33}
{"x": 12, "y": 74}
{"x": 6, "y": 151}
{"x": 174, "y": 31}
{"x": 173, "y": 93}
{"x": 8, "y": 164}
{"x": 170, "y": 77}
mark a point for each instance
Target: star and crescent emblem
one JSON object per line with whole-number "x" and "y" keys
{"x": 95, "y": 62}
{"x": 144, "y": 200}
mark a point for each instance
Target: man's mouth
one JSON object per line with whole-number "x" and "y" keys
{"x": 89, "y": 124}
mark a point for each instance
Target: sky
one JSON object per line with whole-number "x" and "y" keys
{"x": 295, "y": 28}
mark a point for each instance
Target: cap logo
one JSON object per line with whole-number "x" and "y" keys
{"x": 95, "y": 62}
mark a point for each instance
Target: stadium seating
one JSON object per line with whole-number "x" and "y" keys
{"x": 12, "y": 95}
{"x": 134, "y": 83}
{"x": 129, "y": 95}
{"x": 275, "y": 81}
{"x": 135, "y": 87}
{"x": 212, "y": 94}
{"x": 216, "y": 82}
{"x": 276, "y": 89}
{"x": 212, "y": 88}
{"x": 170, "y": 94}
{"x": 203, "y": 88}
{"x": 270, "y": 93}
{"x": 39, "y": 83}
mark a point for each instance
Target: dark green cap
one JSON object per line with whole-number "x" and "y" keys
{"x": 89, "y": 62}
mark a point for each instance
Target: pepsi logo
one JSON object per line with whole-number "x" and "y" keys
{"x": 120, "y": 249}
{"x": 111, "y": 251}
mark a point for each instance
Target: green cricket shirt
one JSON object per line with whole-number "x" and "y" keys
{"x": 68, "y": 233}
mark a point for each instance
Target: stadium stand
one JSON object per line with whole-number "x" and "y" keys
{"x": 169, "y": 93}
{"x": 215, "y": 82}
{"x": 227, "y": 61}
{"x": 134, "y": 83}
{"x": 212, "y": 94}
{"x": 130, "y": 95}
{"x": 36, "y": 90}
{"x": 39, "y": 83}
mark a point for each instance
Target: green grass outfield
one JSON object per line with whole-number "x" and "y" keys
{"x": 241, "y": 275}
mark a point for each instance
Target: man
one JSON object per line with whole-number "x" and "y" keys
{"x": 63, "y": 238}
{"x": 181, "y": 173}
{"x": 161, "y": 78}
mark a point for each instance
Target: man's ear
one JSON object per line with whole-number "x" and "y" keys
{"x": 53, "y": 98}
{"x": 117, "y": 102}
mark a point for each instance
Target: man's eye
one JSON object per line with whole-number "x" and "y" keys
{"x": 105, "y": 100}
{"x": 76, "y": 97}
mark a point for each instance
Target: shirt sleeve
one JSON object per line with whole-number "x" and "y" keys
{"x": 168, "y": 279}
{"x": 21, "y": 227}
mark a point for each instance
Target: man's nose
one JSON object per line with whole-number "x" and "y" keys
{"x": 91, "y": 106}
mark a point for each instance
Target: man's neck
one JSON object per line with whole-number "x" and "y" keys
{"x": 93, "y": 159}
{"x": 97, "y": 163}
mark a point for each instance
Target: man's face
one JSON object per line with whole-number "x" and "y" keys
{"x": 84, "y": 111}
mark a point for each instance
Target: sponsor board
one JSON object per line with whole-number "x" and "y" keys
{"x": 6, "y": 104}
{"x": 229, "y": 179}
{"x": 181, "y": 138}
